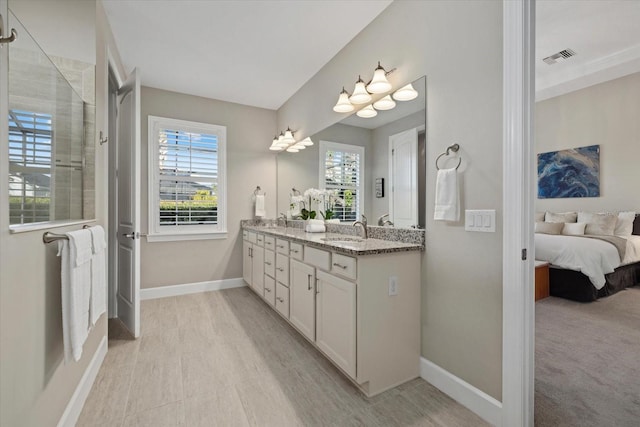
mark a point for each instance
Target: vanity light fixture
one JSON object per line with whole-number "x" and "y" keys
{"x": 405, "y": 93}
{"x": 360, "y": 94}
{"x": 385, "y": 103}
{"x": 343, "y": 105}
{"x": 288, "y": 137}
{"x": 379, "y": 82}
{"x": 367, "y": 112}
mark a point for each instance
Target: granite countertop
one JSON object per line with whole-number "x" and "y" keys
{"x": 363, "y": 247}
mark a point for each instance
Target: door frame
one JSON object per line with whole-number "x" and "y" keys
{"x": 518, "y": 205}
{"x": 390, "y": 184}
{"x": 112, "y": 135}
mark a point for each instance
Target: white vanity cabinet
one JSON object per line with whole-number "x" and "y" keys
{"x": 344, "y": 305}
{"x": 302, "y": 289}
{"x": 253, "y": 261}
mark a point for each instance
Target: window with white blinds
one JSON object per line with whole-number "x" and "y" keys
{"x": 342, "y": 169}
{"x": 30, "y": 136}
{"x": 186, "y": 180}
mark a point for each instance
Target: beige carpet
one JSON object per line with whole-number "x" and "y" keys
{"x": 588, "y": 361}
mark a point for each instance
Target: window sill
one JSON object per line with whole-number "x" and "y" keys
{"x": 35, "y": 226}
{"x": 152, "y": 238}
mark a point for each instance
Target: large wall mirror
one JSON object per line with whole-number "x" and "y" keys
{"x": 378, "y": 163}
{"x": 51, "y": 128}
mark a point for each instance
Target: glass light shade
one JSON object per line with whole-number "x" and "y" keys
{"x": 299, "y": 146}
{"x": 276, "y": 147}
{"x": 275, "y": 141}
{"x": 288, "y": 137}
{"x": 281, "y": 139}
{"x": 379, "y": 83}
{"x": 307, "y": 142}
{"x": 385, "y": 103}
{"x": 405, "y": 93}
{"x": 360, "y": 94}
{"x": 343, "y": 105}
{"x": 292, "y": 150}
{"x": 367, "y": 112}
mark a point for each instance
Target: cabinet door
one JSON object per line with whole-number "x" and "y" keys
{"x": 336, "y": 320}
{"x": 257, "y": 269}
{"x": 302, "y": 298}
{"x": 246, "y": 261}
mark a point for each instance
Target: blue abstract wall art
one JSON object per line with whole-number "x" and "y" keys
{"x": 569, "y": 173}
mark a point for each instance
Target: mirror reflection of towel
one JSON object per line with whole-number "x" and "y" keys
{"x": 447, "y": 198}
{"x": 260, "y": 209}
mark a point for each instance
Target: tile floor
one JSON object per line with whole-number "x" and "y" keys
{"x": 227, "y": 359}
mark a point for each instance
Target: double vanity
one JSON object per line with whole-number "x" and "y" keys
{"x": 356, "y": 300}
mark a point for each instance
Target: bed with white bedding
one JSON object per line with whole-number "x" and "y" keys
{"x": 584, "y": 268}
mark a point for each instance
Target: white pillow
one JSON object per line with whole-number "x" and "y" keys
{"x": 549, "y": 227}
{"x": 574, "y": 228}
{"x": 561, "y": 217}
{"x": 598, "y": 224}
{"x": 539, "y": 216}
{"x": 624, "y": 226}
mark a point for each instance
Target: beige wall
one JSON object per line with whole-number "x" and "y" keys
{"x": 35, "y": 384}
{"x": 605, "y": 114}
{"x": 249, "y": 164}
{"x": 458, "y": 45}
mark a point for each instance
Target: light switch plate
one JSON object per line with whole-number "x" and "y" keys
{"x": 480, "y": 220}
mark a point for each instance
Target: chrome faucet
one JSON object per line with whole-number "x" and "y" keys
{"x": 363, "y": 223}
{"x": 283, "y": 218}
{"x": 382, "y": 221}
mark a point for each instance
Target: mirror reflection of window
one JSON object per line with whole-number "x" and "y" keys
{"x": 342, "y": 170}
{"x": 30, "y": 136}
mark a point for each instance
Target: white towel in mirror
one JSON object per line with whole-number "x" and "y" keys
{"x": 260, "y": 206}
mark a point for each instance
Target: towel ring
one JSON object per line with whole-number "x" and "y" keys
{"x": 454, "y": 148}
{"x": 257, "y": 191}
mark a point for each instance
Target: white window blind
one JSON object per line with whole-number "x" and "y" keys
{"x": 188, "y": 182}
{"x": 30, "y": 159}
{"x": 342, "y": 169}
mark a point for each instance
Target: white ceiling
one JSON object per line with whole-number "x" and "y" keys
{"x": 255, "y": 53}
{"x": 604, "y": 34}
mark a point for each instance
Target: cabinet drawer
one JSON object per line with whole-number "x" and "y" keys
{"x": 260, "y": 239}
{"x": 317, "y": 258}
{"x": 295, "y": 251}
{"x": 252, "y": 237}
{"x": 282, "y": 246}
{"x": 269, "y": 263}
{"x": 282, "y": 269}
{"x": 270, "y": 242}
{"x": 270, "y": 290}
{"x": 343, "y": 265}
{"x": 282, "y": 299}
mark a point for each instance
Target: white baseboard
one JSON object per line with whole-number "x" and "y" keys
{"x": 483, "y": 405}
{"x": 190, "y": 288}
{"x": 74, "y": 407}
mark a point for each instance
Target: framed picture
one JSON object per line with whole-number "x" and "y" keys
{"x": 569, "y": 173}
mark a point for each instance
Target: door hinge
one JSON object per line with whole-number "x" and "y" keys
{"x": 524, "y": 254}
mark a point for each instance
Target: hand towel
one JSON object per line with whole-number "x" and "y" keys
{"x": 98, "y": 302}
{"x": 447, "y": 197}
{"x": 260, "y": 209}
{"x": 315, "y": 228}
{"x": 76, "y": 291}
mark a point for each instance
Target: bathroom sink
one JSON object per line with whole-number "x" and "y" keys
{"x": 343, "y": 239}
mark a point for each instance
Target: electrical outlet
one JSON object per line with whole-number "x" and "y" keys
{"x": 393, "y": 285}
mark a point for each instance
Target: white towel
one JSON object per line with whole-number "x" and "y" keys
{"x": 260, "y": 209}
{"x": 447, "y": 197}
{"x": 98, "y": 302}
{"x": 76, "y": 291}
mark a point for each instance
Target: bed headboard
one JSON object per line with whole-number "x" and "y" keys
{"x": 636, "y": 225}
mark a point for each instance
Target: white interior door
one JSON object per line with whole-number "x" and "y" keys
{"x": 128, "y": 185}
{"x": 403, "y": 178}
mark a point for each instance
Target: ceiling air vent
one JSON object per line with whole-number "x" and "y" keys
{"x": 560, "y": 56}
